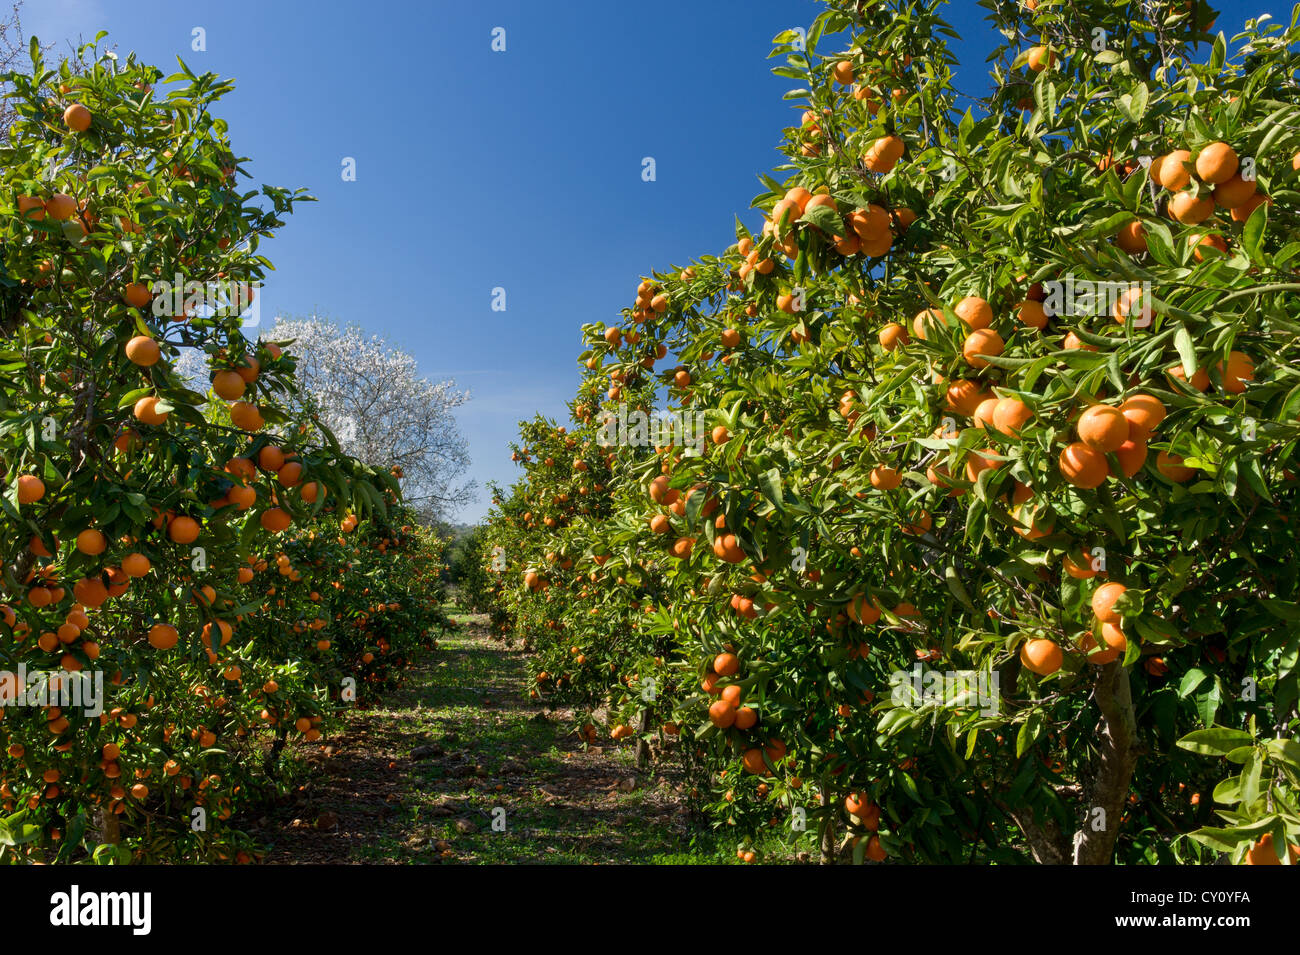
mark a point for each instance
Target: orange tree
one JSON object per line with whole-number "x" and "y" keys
{"x": 210, "y": 567}
{"x": 986, "y": 551}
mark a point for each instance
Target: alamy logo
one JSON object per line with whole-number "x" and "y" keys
{"x": 954, "y": 688}
{"x": 638, "y": 430}
{"x": 68, "y": 691}
{"x": 1084, "y": 297}
{"x": 74, "y": 908}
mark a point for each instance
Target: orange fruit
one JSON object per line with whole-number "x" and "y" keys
{"x": 1097, "y": 656}
{"x": 1103, "y": 601}
{"x": 1103, "y": 428}
{"x": 1083, "y": 466}
{"x": 979, "y": 343}
{"x": 884, "y": 154}
{"x": 1041, "y": 656}
{"x": 1200, "y": 380}
{"x": 1132, "y": 238}
{"x": 1144, "y": 414}
{"x": 1040, "y": 58}
{"x": 1216, "y": 163}
{"x": 77, "y": 118}
{"x": 92, "y": 542}
{"x": 1032, "y": 313}
{"x": 893, "y": 335}
{"x": 1239, "y": 370}
{"x": 1235, "y": 192}
{"x": 1190, "y": 210}
{"x": 143, "y": 351}
{"x": 1010, "y": 415}
{"x": 975, "y": 312}
{"x": 61, "y": 207}
{"x": 1080, "y": 569}
{"x": 885, "y": 478}
{"x": 228, "y": 385}
{"x": 146, "y": 411}
{"x": 275, "y": 520}
{"x": 30, "y": 489}
{"x": 1132, "y": 454}
{"x": 1262, "y": 852}
{"x": 137, "y": 295}
{"x": 1174, "y": 174}
{"x": 163, "y": 636}
{"x": 183, "y": 530}
{"x": 246, "y": 417}
{"x": 136, "y": 565}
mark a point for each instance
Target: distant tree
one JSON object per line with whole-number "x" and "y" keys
{"x": 12, "y": 52}
{"x": 381, "y": 409}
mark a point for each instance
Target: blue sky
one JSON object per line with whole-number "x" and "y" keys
{"x": 478, "y": 170}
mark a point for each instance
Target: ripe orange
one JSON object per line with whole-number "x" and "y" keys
{"x": 136, "y": 565}
{"x": 1083, "y": 466}
{"x": 143, "y": 351}
{"x": 228, "y": 385}
{"x": 893, "y": 335}
{"x": 1032, "y": 313}
{"x": 137, "y": 295}
{"x": 92, "y": 542}
{"x": 843, "y": 72}
{"x": 275, "y": 520}
{"x": 927, "y": 317}
{"x": 77, "y": 118}
{"x": 30, "y": 489}
{"x": 1216, "y": 163}
{"x": 980, "y": 343}
{"x": 722, "y": 714}
{"x": 246, "y": 417}
{"x": 885, "y": 478}
{"x": 1235, "y": 192}
{"x": 1080, "y": 569}
{"x": 1190, "y": 210}
{"x": 862, "y": 611}
{"x": 982, "y": 417}
{"x": 1040, "y": 58}
{"x": 1132, "y": 454}
{"x": 61, "y": 207}
{"x": 146, "y": 410}
{"x": 270, "y": 458}
{"x": 1200, "y": 380}
{"x": 163, "y": 636}
{"x": 1041, "y": 656}
{"x": 1174, "y": 174}
{"x": 1240, "y": 369}
{"x": 884, "y": 154}
{"x": 1132, "y": 238}
{"x": 1103, "y": 428}
{"x": 1092, "y": 650}
{"x": 1103, "y": 601}
{"x": 1010, "y": 415}
{"x": 975, "y": 312}
{"x": 1263, "y": 852}
{"x": 1144, "y": 414}
{"x": 183, "y": 530}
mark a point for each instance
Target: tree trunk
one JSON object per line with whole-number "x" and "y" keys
{"x": 1094, "y": 842}
{"x": 642, "y": 744}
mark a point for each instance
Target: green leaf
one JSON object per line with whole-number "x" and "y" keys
{"x": 1216, "y": 741}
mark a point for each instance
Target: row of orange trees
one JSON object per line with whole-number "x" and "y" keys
{"x": 977, "y": 541}
{"x": 194, "y": 574}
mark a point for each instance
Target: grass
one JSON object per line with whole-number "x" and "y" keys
{"x": 464, "y": 768}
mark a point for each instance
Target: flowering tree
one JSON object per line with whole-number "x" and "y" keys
{"x": 380, "y": 408}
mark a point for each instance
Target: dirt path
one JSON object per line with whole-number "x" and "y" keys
{"x": 458, "y": 767}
